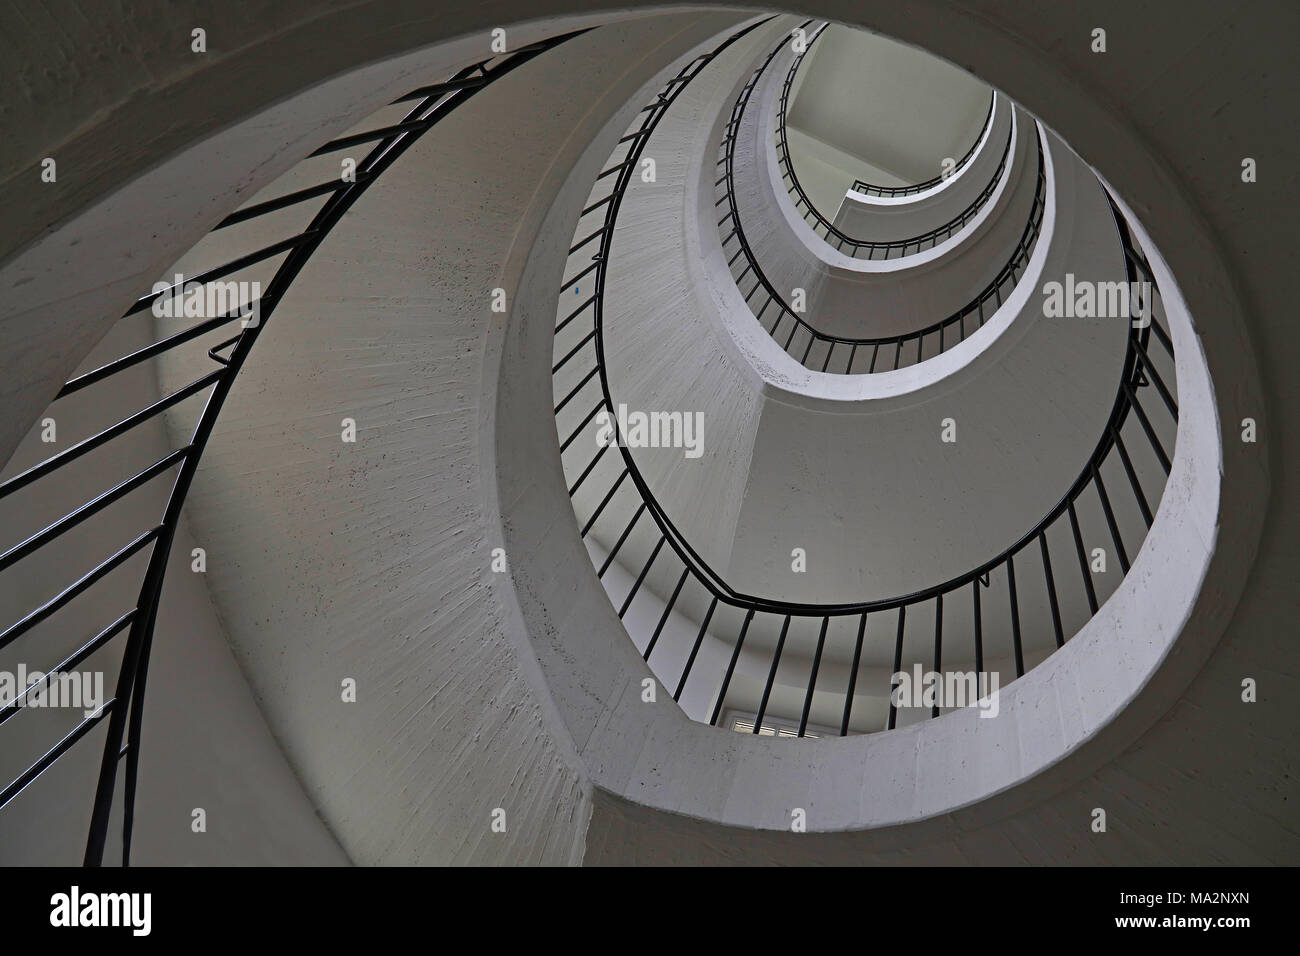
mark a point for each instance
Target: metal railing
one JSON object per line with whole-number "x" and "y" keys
{"x": 124, "y": 709}
{"x": 892, "y": 192}
{"x": 817, "y": 350}
{"x": 824, "y": 229}
{"x": 614, "y": 503}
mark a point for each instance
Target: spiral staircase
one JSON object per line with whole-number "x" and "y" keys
{"x": 384, "y": 551}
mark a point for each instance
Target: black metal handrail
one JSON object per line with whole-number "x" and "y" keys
{"x": 430, "y": 105}
{"x": 1139, "y": 371}
{"x": 837, "y": 238}
{"x": 888, "y": 192}
{"x": 800, "y": 336}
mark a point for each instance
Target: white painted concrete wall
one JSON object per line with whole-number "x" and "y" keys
{"x": 826, "y": 172}
{"x": 644, "y": 748}
{"x": 1069, "y": 88}
{"x": 205, "y": 742}
{"x": 895, "y": 106}
{"x": 859, "y": 297}
{"x": 180, "y": 119}
{"x": 885, "y": 217}
{"x": 867, "y": 487}
{"x": 1157, "y": 150}
{"x": 381, "y": 550}
{"x": 664, "y": 349}
{"x": 801, "y": 495}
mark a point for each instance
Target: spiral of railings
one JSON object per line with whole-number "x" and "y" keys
{"x": 847, "y": 355}
{"x": 124, "y": 709}
{"x": 614, "y": 502}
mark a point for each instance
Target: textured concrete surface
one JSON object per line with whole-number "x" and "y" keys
{"x": 898, "y": 107}
{"x": 829, "y": 476}
{"x": 868, "y": 297}
{"x": 757, "y": 783}
{"x": 1174, "y": 802}
{"x": 1140, "y": 114}
{"x": 382, "y": 550}
{"x": 881, "y": 503}
{"x": 824, "y": 171}
{"x": 165, "y": 142}
{"x": 205, "y": 743}
{"x": 902, "y": 216}
{"x": 651, "y": 754}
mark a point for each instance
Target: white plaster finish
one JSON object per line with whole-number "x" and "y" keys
{"x": 1086, "y": 233}
{"x": 826, "y": 474}
{"x": 205, "y": 742}
{"x": 1106, "y": 663}
{"x": 164, "y": 143}
{"x": 381, "y": 550}
{"x": 707, "y": 797}
{"x": 1184, "y": 181}
{"x": 865, "y": 216}
{"x": 1154, "y": 150}
{"x": 859, "y": 296}
{"x": 881, "y": 503}
{"x": 824, "y": 170}
{"x": 664, "y": 348}
{"x": 898, "y": 107}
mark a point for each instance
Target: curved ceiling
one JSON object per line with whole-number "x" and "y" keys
{"x": 1162, "y": 784}
{"x": 893, "y": 108}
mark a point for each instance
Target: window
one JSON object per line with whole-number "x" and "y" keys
{"x": 743, "y": 723}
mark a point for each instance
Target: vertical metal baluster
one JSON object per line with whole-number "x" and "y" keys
{"x": 1110, "y": 517}
{"x": 1083, "y": 560}
{"x": 1154, "y": 376}
{"x": 898, "y": 664}
{"x": 1158, "y": 448}
{"x": 1159, "y": 329}
{"x": 1015, "y": 614}
{"x": 938, "y": 649}
{"x": 663, "y": 618}
{"x": 853, "y": 676}
{"x": 731, "y": 668}
{"x": 1051, "y": 589}
{"x": 771, "y": 676}
{"x": 587, "y": 471}
{"x": 812, "y": 678}
{"x": 627, "y": 601}
{"x": 604, "y": 501}
{"x": 699, "y": 639}
{"x": 1132, "y": 476}
{"x": 609, "y": 558}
